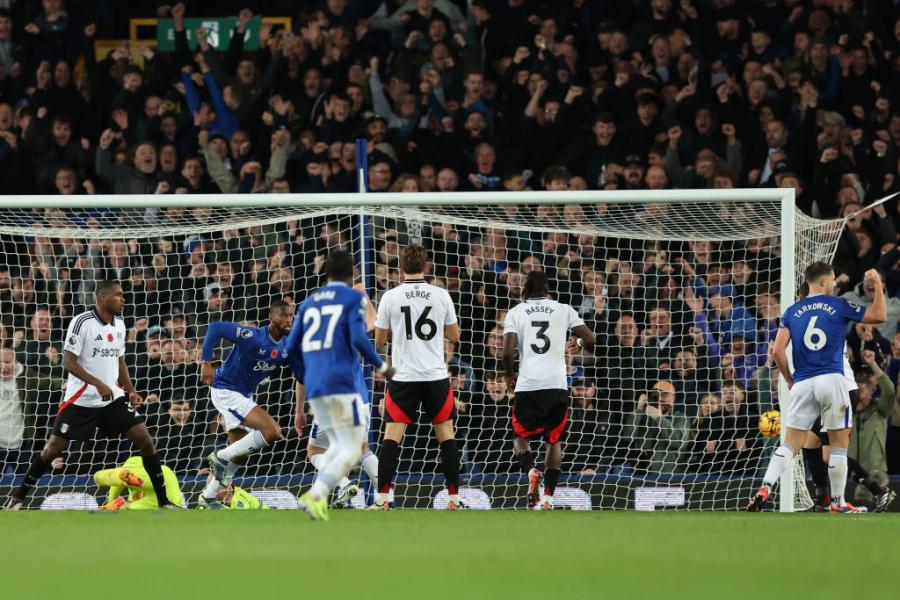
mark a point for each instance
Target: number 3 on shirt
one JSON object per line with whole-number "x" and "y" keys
{"x": 312, "y": 320}
{"x": 814, "y": 338}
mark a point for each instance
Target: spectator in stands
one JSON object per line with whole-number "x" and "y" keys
{"x": 657, "y": 432}
{"x": 862, "y": 296}
{"x": 877, "y": 403}
{"x": 12, "y": 417}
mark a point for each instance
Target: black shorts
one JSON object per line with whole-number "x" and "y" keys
{"x": 80, "y": 422}
{"x": 541, "y": 412}
{"x": 433, "y": 398}
{"x": 817, "y": 426}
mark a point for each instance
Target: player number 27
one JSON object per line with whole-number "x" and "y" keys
{"x": 814, "y": 338}
{"x": 312, "y": 320}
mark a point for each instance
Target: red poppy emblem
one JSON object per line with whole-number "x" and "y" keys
{"x": 109, "y": 336}
{"x": 274, "y": 354}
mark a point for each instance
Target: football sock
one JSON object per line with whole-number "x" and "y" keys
{"x": 818, "y": 470}
{"x": 370, "y": 466}
{"x": 551, "y": 479}
{"x": 859, "y": 474}
{"x": 154, "y": 470}
{"x": 837, "y": 473}
{"x": 525, "y": 460}
{"x": 780, "y": 460}
{"x": 36, "y": 469}
{"x": 450, "y": 465}
{"x": 338, "y": 459}
{"x": 388, "y": 459}
{"x": 316, "y": 461}
{"x": 212, "y": 488}
{"x": 246, "y": 445}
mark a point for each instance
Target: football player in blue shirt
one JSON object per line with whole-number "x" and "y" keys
{"x": 816, "y": 327}
{"x": 328, "y": 335}
{"x": 257, "y": 354}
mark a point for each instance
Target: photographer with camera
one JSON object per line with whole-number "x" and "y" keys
{"x": 658, "y": 432}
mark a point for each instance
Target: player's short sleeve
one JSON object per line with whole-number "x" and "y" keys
{"x": 122, "y": 333}
{"x": 245, "y": 336}
{"x": 449, "y": 309}
{"x": 383, "y": 317}
{"x": 74, "y": 342}
{"x": 850, "y": 311}
{"x": 574, "y": 320}
{"x": 511, "y": 324}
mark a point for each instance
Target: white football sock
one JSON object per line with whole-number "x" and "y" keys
{"x": 212, "y": 488}
{"x": 246, "y": 445}
{"x": 837, "y": 474}
{"x": 369, "y": 464}
{"x": 316, "y": 461}
{"x": 780, "y": 461}
{"x": 381, "y": 498}
{"x": 338, "y": 459}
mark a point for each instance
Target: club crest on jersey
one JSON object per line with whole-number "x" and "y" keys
{"x": 109, "y": 337}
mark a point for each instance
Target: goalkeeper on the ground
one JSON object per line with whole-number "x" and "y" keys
{"x": 132, "y": 477}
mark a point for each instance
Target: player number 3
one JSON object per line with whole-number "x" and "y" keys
{"x": 814, "y": 338}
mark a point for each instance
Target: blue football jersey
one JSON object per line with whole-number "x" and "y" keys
{"x": 818, "y": 326}
{"x": 329, "y": 334}
{"x": 253, "y": 358}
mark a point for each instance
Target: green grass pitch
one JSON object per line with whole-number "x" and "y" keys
{"x": 433, "y": 555}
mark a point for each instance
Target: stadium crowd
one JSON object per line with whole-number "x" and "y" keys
{"x": 458, "y": 95}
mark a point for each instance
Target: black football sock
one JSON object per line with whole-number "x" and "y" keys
{"x": 818, "y": 470}
{"x": 525, "y": 460}
{"x": 450, "y": 465}
{"x": 154, "y": 470}
{"x": 388, "y": 459}
{"x": 859, "y": 474}
{"x": 551, "y": 479}
{"x": 36, "y": 469}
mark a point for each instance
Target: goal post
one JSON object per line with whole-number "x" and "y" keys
{"x": 660, "y": 275}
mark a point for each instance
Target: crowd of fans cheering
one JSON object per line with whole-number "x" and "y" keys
{"x": 473, "y": 95}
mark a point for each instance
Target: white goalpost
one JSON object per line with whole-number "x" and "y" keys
{"x": 682, "y": 287}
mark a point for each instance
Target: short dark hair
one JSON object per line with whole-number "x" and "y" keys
{"x": 803, "y": 290}
{"x": 104, "y": 285}
{"x": 278, "y": 304}
{"x": 536, "y": 285}
{"x": 413, "y": 259}
{"x": 817, "y": 270}
{"x": 339, "y": 265}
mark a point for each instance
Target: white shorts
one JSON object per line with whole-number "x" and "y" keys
{"x": 825, "y": 395}
{"x": 338, "y": 411}
{"x": 318, "y": 438}
{"x": 233, "y": 406}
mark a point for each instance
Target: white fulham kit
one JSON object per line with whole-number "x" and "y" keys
{"x": 542, "y": 326}
{"x": 98, "y": 346}
{"x": 416, "y": 313}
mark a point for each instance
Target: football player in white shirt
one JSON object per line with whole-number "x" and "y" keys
{"x": 99, "y": 393}
{"x": 538, "y": 330}
{"x": 418, "y": 317}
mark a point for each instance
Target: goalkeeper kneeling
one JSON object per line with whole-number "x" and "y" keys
{"x": 132, "y": 476}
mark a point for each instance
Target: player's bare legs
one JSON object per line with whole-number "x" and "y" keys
{"x": 552, "y": 470}
{"x": 346, "y": 489}
{"x": 40, "y": 465}
{"x": 265, "y": 431}
{"x": 781, "y": 460}
{"x": 140, "y": 437}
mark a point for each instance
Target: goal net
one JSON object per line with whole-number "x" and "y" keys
{"x": 682, "y": 292}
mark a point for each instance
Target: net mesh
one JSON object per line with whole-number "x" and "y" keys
{"x": 679, "y": 292}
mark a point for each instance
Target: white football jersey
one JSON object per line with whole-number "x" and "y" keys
{"x": 542, "y": 326}
{"x": 416, "y": 313}
{"x": 98, "y": 346}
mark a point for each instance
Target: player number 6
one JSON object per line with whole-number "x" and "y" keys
{"x": 814, "y": 338}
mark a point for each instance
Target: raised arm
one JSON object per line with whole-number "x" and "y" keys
{"x": 877, "y": 313}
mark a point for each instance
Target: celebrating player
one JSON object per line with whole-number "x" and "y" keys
{"x": 318, "y": 440}
{"x": 257, "y": 353}
{"x": 538, "y": 329}
{"x": 328, "y": 335}
{"x": 417, "y": 317}
{"x": 817, "y": 325}
{"x": 95, "y": 397}
{"x": 132, "y": 476}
